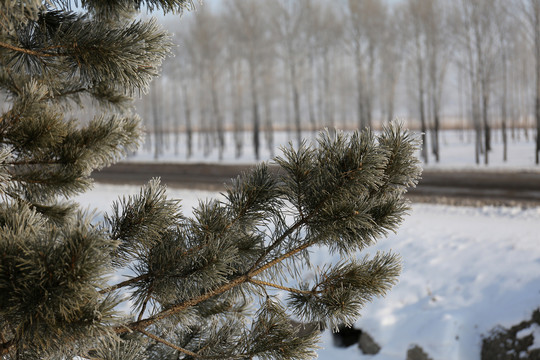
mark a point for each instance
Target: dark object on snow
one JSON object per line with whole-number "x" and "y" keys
{"x": 347, "y": 336}
{"x": 368, "y": 345}
{"x": 514, "y": 343}
{"x": 417, "y": 353}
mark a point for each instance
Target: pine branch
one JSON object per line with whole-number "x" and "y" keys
{"x": 343, "y": 179}
{"x": 124, "y": 283}
{"x": 175, "y": 309}
{"x": 239, "y": 280}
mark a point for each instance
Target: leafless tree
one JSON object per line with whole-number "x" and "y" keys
{"x": 207, "y": 33}
{"x": 293, "y": 60}
{"x": 287, "y": 17}
{"x": 328, "y": 40}
{"x": 365, "y": 24}
{"x": 439, "y": 47}
{"x": 476, "y": 33}
{"x": 530, "y": 10}
{"x": 508, "y": 39}
{"x": 236, "y": 92}
{"x": 413, "y": 27}
{"x": 247, "y": 25}
{"x": 391, "y": 58}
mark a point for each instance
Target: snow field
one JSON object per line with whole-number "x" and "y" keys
{"x": 465, "y": 270}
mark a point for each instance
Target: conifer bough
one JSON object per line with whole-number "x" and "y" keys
{"x": 206, "y": 287}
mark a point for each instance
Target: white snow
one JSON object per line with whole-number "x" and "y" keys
{"x": 533, "y": 330}
{"x": 465, "y": 270}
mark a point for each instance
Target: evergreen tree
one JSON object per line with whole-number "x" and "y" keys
{"x": 203, "y": 287}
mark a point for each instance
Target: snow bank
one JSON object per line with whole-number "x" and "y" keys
{"x": 465, "y": 270}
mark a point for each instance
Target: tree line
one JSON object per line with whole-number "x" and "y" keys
{"x": 304, "y": 65}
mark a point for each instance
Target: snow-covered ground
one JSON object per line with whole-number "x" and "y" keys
{"x": 457, "y": 151}
{"x": 465, "y": 270}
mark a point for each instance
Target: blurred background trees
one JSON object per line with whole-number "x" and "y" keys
{"x": 249, "y": 68}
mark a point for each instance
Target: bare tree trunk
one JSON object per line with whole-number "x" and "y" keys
{"x": 175, "y": 118}
{"x": 328, "y": 99}
{"x": 487, "y": 128}
{"x": 218, "y": 117}
{"x": 423, "y": 125}
{"x": 204, "y": 131}
{"x": 434, "y": 111}
{"x": 437, "y": 71}
{"x": 237, "y": 100}
{"x": 321, "y": 111}
{"x": 156, "y": 120}
{"x": 268, "y": 124}
{"x": 461, "y": 109}
{"x": 370, "y": 81}
{"x": 421, "y": 105}
{"x": 147, "y": 107}
{"x": 255, "y": 109}
{"x": 189, "y": 127}
{"x": 536, "y": 6}
{"x": 267, "y": 99}
{"x": 504, "y": 100}
{"x": 476, "y": 123}
{"x": 311, "y": 88}
{"x": 287, "y": 105}
{"x": 524, "y": 111}
{"x": 360, "y": 90}
{"x": 296, "y": 102}
{"x": 514, "y": 103}
{"x": 436, "y": 125}
{"x": 391, "y": 96}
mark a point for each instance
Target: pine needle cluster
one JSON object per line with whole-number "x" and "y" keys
{"x": 206, "y": 287}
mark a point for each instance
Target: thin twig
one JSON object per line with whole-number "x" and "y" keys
{"x": 277, "y": 286}
{"x": 169, "y": 344}
{"x": 145, "y": 302}
{"x": 279, "y": 259}
{"x": 123, "y": 284}
{"x": 26, "y": 51}
{"x": 278, "y": 241}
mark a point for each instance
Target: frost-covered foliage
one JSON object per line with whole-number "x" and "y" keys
{"x": 201, "y": 285}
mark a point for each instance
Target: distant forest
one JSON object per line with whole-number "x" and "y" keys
{"x": 262, "y": 66}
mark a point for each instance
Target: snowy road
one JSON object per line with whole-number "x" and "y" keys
{"x": 493, "y": 187}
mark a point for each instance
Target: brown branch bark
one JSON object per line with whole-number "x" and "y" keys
{"x": 169, "y": 344}
{"x": 277, "y": 286}
{"x": 279, "y": 259}
{"x": 123, "y": 284}
{"x": 26, "y": 51}
{"x": 142, "y": 324}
